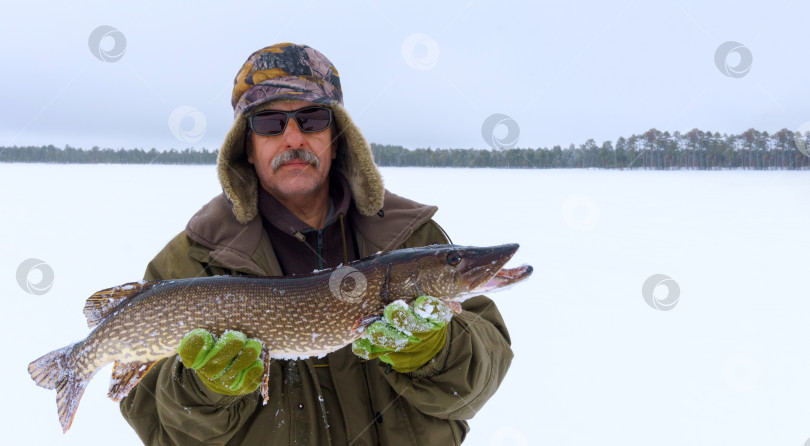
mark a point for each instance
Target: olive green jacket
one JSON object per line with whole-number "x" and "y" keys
{"x": 338, "y": 399}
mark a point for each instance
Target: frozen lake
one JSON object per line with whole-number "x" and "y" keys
{"x": 729, "y": 363}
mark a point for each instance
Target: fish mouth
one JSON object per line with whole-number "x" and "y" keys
{"x": 486, "y": 271}
{"x": 505, "y": 278}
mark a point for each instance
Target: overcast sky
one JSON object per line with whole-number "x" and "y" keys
{"x": 413, "y": 74}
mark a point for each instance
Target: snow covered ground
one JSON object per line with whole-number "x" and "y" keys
{"x": 594, "y": 362}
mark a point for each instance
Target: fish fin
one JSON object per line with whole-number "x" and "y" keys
{"x": 365, "y": 321}
{"x": 455, "y": 306}
{"x": 104, "y": 302}
{"x": 53, "y": 371}
{"x": 125, "y": 376}
{"x": 384, "y": 294}
{"x": 265, "y": 387}
{"x": 48, "y": 370}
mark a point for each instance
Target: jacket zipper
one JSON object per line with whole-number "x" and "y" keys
{"x": 320, "y": 249}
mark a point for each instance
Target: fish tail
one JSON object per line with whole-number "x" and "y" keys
{"x": 56, "y": 370}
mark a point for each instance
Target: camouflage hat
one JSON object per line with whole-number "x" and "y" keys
{"x": 285, "y": 71}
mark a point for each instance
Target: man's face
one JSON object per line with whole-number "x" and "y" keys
{"x": 294, "y": 180}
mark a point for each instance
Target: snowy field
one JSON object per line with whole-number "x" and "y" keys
{"x": 728, "y": 364}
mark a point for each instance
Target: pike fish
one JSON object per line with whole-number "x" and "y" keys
{"x": 139, "y": 323}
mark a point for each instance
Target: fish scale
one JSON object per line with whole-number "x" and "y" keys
{"x": 139, "y": 323}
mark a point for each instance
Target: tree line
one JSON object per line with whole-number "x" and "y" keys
{"x": 653, "y": 149}
{"x": 72, "y": 155}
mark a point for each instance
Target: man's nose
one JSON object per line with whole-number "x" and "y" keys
{"x": 292, "y": 134}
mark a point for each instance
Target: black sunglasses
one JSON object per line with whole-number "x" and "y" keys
{"x": 274, "y": 122}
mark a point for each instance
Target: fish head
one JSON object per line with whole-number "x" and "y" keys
{"x": 453, "y": 273}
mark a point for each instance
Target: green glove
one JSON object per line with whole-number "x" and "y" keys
{"x": 229, "y": 365}
{"x": 406, "y": 338}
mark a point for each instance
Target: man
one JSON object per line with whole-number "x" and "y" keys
{"x": 301, "y": 192}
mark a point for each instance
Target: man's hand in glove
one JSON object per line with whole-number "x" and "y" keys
{"x": 406, "y": 338}
{"x": 229, "y": 365}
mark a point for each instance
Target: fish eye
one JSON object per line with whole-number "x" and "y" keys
{"x": 453, "y": 258}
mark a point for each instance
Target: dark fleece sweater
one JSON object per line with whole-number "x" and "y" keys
{"x": 301, "y": 248}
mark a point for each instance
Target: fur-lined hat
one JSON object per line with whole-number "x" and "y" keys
{"x": 287, "y": 71}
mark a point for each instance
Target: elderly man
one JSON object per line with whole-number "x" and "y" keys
{"x": 301, "y": 192}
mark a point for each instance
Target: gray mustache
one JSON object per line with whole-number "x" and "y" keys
{"x": 295, "y": 154}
